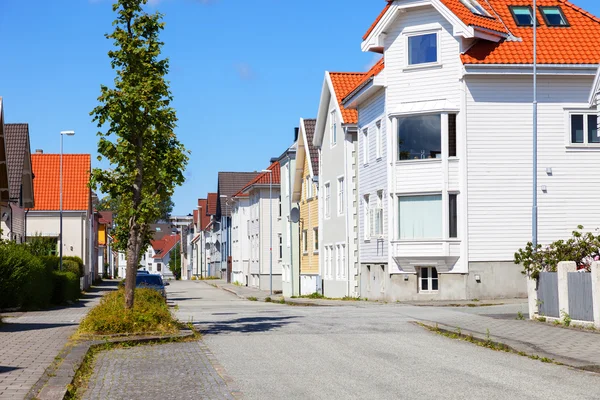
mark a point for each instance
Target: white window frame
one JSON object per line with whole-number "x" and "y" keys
{"x": 286, "y": 171}
{"x": 343, "y": 261}
{"x": 366, "y": 149}
{"x": 315, "y": 240}
{"x": 309, "y": 188}
{"x": 340, "y": 195}
{"x": 475, "y": 7}
{"x": 280, "y": 247}
{"x": 337, "y": 262}
{"x": 367, "y": 217}
{"x": 568, "y": 117}
{"x": 429, "y": 280}
{"x": 327, "y": 200}
{"x": 378, "y": 140}
{"x": 377, "y": 226}
{"x": 421, "y": 31}
{"x": 305, "y": 241}
{"x": 333, "y": 129}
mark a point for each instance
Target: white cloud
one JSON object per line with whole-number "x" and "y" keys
{"x": 245, "y": 71}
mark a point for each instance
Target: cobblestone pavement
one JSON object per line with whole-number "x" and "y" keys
{"x": 30, "y": 341}
{"x": 157, "y": 372}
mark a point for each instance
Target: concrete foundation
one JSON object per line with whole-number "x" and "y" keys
{"x": 309, "y": 284}
{"x": 265, "y": 282}
{"x": 335, "y": 289}
{"x": 484, "y": 281}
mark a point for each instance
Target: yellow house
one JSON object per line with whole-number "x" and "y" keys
{"x": 305, "y": 193}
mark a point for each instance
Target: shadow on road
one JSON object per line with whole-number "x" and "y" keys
{"x": 4, "y": 369}
{"x": 245, "y": 325}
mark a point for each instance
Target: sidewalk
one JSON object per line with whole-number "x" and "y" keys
{"x": 32, "y": 340}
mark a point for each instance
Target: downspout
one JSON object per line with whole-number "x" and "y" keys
{"x": 289, "y": 183}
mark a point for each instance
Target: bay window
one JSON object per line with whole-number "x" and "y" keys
{"x": 420, "y": 137}
{"x": 420, "y": 217}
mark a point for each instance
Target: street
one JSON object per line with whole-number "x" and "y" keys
{"x": 362, "y": 351}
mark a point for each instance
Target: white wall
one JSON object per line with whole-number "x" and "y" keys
{"x": 75, "y": 230}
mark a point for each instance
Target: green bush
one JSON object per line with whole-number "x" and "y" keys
{"x": 23, "y": 278}
{"x": 50, "y": 262}
{"x": 150, "y": 313}
{"x": 65, "y": 287}
{"x": 79, "y": 262}
{"x": 71, "y": 266}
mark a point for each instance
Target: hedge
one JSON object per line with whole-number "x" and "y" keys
{"x": 77, "y": 260}
{"x": 66, "y": 287}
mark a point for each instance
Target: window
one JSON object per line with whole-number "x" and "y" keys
{"x": 377, "y": 216}
{"x": 475, "y": 7}
{"x": 367, "y": 217}
{"x": 451, "y": 135}
{"x": 523, "y": 15}
{"x": 327, "y": 200}
{"x": 337, "y": 261}
{"x": 422, "y": 49}
{"x": 309, "y": 188}
{"x": 305, "y": 241}
{"x": 279, "y": 206}
{"x": 453, "y": 218}
{"x": 333, "y": 129}
{"x": 316, "y": 240}
{"x": 419, "y": 137}
{"x": 366, "y": 146}
{"x": 378, "y": 140}
{"x": 340, "y": 196}
{"x": 328, "y": 262}
{"x": 158, "y": 267}
{"x": 553, "y": 16}
{"x": 428, "y": 279}
{"x": 340, "y": 261}
{"x": 280, "y": 247}
{"x": 420, "y": 217}
{"x": 584, "y": 129}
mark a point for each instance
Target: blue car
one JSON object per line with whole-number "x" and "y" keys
{"x": 155, "y": 282}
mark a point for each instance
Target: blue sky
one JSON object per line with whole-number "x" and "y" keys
{"x": 242, "y": 73}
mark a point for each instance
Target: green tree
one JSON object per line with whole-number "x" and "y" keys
{"x": 175, "y": 261}
{"x": 108, "y": 203}
{"x": 146, "y": 158}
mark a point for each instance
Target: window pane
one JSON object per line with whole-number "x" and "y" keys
{"x": 593, "y": 129}
{"x": 523, "y": 15}
{"x": 553, "y": 16}
{"x": 453, "y": 223}
{"x": 434, "y": 273}
{"x": 424, "y": 273}
{"x": 576, "y": 128}
{"x": 420, "y": 217}
{"x": 451, "y": 135}
{"x": 424, "y": 284}
{"x": 422, "y": 49}
{"x": 420, "y": 137}
{"x": 434, "y": 284}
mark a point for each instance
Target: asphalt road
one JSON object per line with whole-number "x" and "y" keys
{"x": 361, "y": 351}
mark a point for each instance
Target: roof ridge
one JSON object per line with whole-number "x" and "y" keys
{"x": 580, "y": 10}
{"x": 346, "y": 73}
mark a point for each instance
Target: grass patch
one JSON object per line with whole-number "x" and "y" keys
{"x": 252, "y": 298}
{"x": 150, "y": 313}
{"x": 208, "y": 278}
{"x": 268, "y": 300}
{"x": 238, "y": 284}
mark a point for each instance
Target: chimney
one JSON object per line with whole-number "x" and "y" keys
{"x": 296, "y": 134}
{"x": 39, "y": 151}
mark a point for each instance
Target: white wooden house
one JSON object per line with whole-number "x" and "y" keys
{"x": 455, "y": 98}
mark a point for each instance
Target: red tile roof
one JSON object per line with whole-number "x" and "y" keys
{"x": 264, "y": 178}
{"x": 46, "y": 184}
{"x": 375, "y": 70}
{"x": 164, "y": 246}
{"x": 374, "y": 24}
{"x": 344, "y": 83}
{"x": 576, "y": 44}
{"x": 204, "y": 216}
{"x": 211, "y": 205}
{"x": 106, "y": 217}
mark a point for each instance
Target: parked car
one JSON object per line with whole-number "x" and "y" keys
{"x": 154, "y": 282}
{"x": 142, "y": 272}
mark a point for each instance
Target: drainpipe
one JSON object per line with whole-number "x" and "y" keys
{"x": 289, "y": 184}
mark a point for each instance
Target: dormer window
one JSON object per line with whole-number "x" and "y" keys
{"x": 475, "y": 8}
{"x": 523, "y": 15}
{"x": 423, "y": 49}
{"x": 553, "y": 16}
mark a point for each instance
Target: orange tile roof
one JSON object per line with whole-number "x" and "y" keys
{"x": 46, "y": 184}
{"x": 164, "y": 246}
{"x": 470, "y": 19}
{"x": 264, "y": 178}
{"x": 576, "y": 44}
{"x": 344, "y": 83}
{"x": 375, "y": 70}
{"x": 204, "y": 216}
{"x": 374, "y": 24}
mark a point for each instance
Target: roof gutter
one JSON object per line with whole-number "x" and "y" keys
{"x": 527, "y": 69}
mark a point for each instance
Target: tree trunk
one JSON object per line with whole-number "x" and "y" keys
{"x": 133, "y": 255}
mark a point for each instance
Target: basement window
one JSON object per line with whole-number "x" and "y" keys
{"x": 475, "y": 8}
{"x": 523, "y": 15}
{"x": 553, "y": 16}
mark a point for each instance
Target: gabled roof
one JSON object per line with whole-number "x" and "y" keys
{"x": 46, "y": 185}
{"x": 203, "y": 216}
{"x": 305, "y": 148}
{"x": 309, "y": 129}
{"x": 211, "y": 203}
{"x": 164, "y": 246}
{"x": 264, "y": 178}
{"x": 574, "y": 44}
{"x": 229, "y": 183}
{"x": 18, "y": 155}
{"x": 368, "y": 77}
{"x": 343, "y": 83}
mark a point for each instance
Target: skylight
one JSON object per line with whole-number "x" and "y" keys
{"x": 554, "y": 16}
{"x": 475, "y": 8}
{"x": 523, "y": 15}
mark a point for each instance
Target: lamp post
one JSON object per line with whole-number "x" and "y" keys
{"x": 270, "y": 172}
{"x": 62, "y": 133}
{"x": 226, "y": 225}
{"x": 534, "y": 208}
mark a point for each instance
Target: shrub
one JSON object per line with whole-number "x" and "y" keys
{"x": 50, "y": 262}
{"x": 150, "y": 313}
{"x": 66, "y": 287}
{"x": 41, "y": 246}
{"x": 71, "y": 266}
{"x": 583, "y": 248}
{"x": 23, "y": 278}
{"x": 79, "y": 262}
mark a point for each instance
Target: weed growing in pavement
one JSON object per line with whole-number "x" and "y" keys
{"x": 541, "y": 319}
{"x": 268, "y": 300}
{"x": 238, "y": 283}
{"x": 566, "y": 318}
{"x": 475, "y": 299}
{"x": 252, "y": 298}
{"x": 487, "y": 334}
{"x": 520, "y": 316}
{"x": 556, "y": 322}
{"x": 282, "y": 300}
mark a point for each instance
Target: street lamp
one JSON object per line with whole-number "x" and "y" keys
{"x": 270, "y": 172}
{"x": 62, "y": 133}
{"x": 227, "y": 278}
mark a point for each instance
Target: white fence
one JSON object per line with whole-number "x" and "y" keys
{"x": 578, "y": 294}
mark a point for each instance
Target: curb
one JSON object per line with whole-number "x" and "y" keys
{"x": 53, "y": 385}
